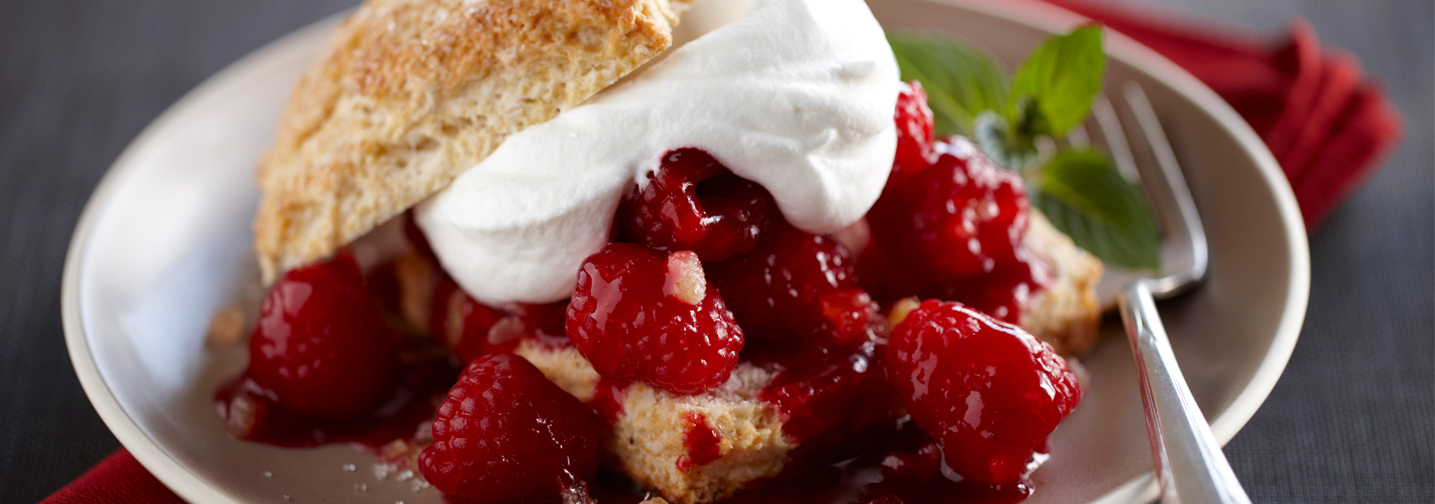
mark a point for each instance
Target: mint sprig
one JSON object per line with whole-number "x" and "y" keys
{"x": 1083, "y": 195}
{"x": 1011, "y": 119}
{"x": 1055, "y": 87}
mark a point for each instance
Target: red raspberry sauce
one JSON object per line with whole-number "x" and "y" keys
{"x": 608, "y": 399}
{"x": 702, "y": 442}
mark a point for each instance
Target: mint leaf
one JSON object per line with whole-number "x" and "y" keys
{"x": 1084, "y": 196}
{"x": 961, "y": 81}
{"x": 1005, "y": 148}
{"x": 1054, "y": 89}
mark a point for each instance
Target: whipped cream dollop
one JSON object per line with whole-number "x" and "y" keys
{"x": 796, "y": 95}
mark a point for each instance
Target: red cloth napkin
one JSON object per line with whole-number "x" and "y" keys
{"x": 119, "y": 478}
{"x": 1326, "y": 124}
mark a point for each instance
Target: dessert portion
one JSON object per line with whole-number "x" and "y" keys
{"x": 746, "y": 270}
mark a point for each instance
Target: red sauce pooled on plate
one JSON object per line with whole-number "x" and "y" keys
{"x": 425, "y": 374}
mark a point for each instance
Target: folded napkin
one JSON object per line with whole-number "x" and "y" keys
{"x": 1326, "y": 124}
{"x": 119, "y": 478}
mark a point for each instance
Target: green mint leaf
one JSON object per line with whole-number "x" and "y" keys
{"x": 1007, "y": 149}
{"x": 1057, "y": 84}
{"x": 1084, "y": 196}
{"x": 961, "y": 81}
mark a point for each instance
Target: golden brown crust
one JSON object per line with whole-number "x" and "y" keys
{"x": 1066, "y": 313}
{"x": 413, "y": 92}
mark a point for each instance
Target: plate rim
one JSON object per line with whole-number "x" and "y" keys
{"x": 1039, "y": 15}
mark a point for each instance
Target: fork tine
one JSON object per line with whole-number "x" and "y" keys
{"x": 1174, "y": 206}
{"x": 1115, "y": 137}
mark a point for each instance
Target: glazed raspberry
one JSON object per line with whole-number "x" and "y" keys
{"x": 961, "y": 217}
{"x": 958, "y": 226}
{"x": 638, "y": 313}
{"x": 692, "y": 202}
{"x": 914, "y": 131}
{"x": 794, "y": 287}
{"x": 826, "y": 393}
{"x": 321, "y": 345}
{"x": 987, "y": 391}
{"x": 507, "y": 434}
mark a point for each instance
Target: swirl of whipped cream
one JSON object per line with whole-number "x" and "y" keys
{"x": 796, "y": 95}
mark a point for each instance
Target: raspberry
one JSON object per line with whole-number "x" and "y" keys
{"x": 958, "y": 227}
{"x": 795, "y": 287}
{"x": 507, "y": 434}
{"x": 321, "y": 345}
{"x": 914, "y": 131}
{"x": 987, "y": 391}
{"x": 692, "y": 202}
{"x": 637, "y": 314}
{"x": 826, "y": 393}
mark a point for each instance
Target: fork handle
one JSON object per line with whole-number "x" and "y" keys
{"x": 1189, "y": 462}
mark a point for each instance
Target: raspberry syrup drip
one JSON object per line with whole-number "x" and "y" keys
{"x": 608, "y": 399}
{"x": 702, "y": 442}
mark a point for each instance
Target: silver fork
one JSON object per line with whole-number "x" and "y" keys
{"x": 1189, "y": 462}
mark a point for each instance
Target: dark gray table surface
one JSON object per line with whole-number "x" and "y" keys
{"x": 1350, "y": 421}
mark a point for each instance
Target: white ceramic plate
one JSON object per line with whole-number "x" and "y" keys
{"x": 165, "y": 241}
